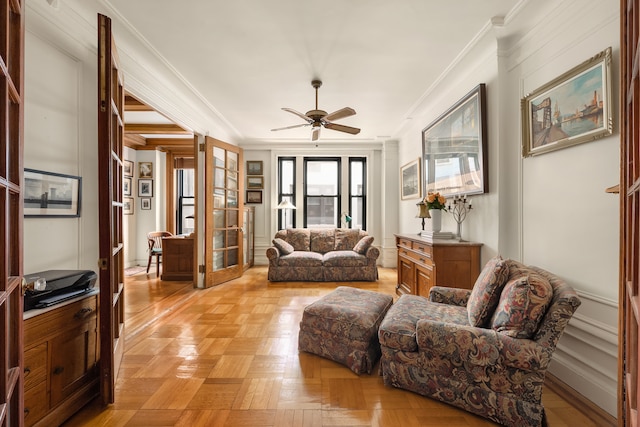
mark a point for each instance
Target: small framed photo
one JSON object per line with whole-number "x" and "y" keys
{"x": 255, "y": 182}
{"x": 127, "y": 203}
{"x": 254, "y": 196}
{"x": 254, "y": 167}
{"x": 145, "y": 170}
{"x": 126, "y": 186}
{"x": 127, "y": 167}
{"x": 145, "y": 204}
{"x": 145, "y": 188}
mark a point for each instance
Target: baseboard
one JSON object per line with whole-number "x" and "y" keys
{"x": 599, "y": 416}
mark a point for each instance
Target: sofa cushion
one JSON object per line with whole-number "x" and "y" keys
{"x": 486, "y": 291}
{"x": 298, "y": 238}
{"x": 363, "y": 244}
{"x": 398, "y": 329}
{"x": 523, "y": 303}
{"x": 346, "y": 239}
{"x": 301, "y": 259}
{"x": 344, "y": 259}
{"x": 284, "y": 247}
{"x": 322, "y": 240}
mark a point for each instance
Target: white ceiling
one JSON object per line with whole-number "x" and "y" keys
{"x": 250, "y": 58}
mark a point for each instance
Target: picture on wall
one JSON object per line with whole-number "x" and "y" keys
{"x": 410, "y": 180}
{"x": 454, "y": 148}
{"x": 51, "y": 194}
{"x": 254, "y": 167}
{"x": 145, "y": 170}
{"x": 254, "y": 196}
{"x": 145, "y": 188}
{"x": 571, "y": 109}
{"x": 255, "y": 182}
{"x": 126, "y": 186}
{"x": 127, "y": 203}
{"x": 145, "y": 204}
{"x": 127, "y": 167}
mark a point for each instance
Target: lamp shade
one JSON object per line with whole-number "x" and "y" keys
{"x": 423, "y": 210}
{"x": 285, "y": 204}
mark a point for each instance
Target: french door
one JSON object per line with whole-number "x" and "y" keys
{"x": 11, "y": 166}
{"x": 110, "y": 208}
{"x": 629, "y": 291}
{"x": 224, "y": 201}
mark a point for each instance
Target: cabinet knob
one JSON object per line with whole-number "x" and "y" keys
{"x": 58, "y": 370}
{"x": 27, "y": 370}
{"x": 26, "y": 411}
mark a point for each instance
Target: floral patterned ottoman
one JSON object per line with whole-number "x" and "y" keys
{"x": 343, "y": 326}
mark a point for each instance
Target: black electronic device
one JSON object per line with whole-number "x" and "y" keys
{"x": 50, "y": 287}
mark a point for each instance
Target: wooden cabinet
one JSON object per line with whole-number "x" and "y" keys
{"x": 423, "y": 264}
{"x": 248, "y": 225}
{"x": 60, "y": 360}
{"x": 177, "y": 258}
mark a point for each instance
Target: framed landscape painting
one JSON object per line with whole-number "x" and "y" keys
{"x": 569, "y": 110}
{"x": 410, "y": 180}
{"x": 49, "y": 194}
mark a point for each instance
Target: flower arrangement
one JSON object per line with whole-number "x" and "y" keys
{"x": 435, "y": 201}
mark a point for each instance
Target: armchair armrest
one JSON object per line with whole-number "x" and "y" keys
{"x": 451, "y": 296}
{"x": 478, "y": 346}
{"x": 372, "y": 252}
{"x": 273, "y": 254}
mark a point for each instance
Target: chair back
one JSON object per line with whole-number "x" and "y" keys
{"x": 155, "y": 240}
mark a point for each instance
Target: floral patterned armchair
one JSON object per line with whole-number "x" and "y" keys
{"x": 485, "y": 350}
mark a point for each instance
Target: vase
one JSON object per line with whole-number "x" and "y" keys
{"x": 436, "y": 220}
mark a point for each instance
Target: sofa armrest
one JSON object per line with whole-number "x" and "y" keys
{"x": 451, "y": 296}
{"x": 478, "y": 346}
{"x": 373, "y": 252}
{"x": 273, "y": 254}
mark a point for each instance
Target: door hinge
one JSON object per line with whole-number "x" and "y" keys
{"x": 201, "y": 147}
{"x": 102, "y": 264}
{"x": 201, "y": 269}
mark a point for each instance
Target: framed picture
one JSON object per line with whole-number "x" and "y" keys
{"x": 126, "y": 186}
{"x": 571, "y": 109}
{"x": 145, "y": 204}
{"x": 145, "y": 170}
{"x": 254, "y": 196}
{"x": 127, "y": 166}
{"x": 127, "y": 205}
{"x": 410, "y": 180}
{"x": 51, "y": 194}
{"x": 145, "y": 188}
{"x": 254, "y": 167}
{"x": 454, "y": 148}
{"x": 255, "y": 182}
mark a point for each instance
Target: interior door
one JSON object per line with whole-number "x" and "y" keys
{"x": 224, "y": 202}
{"x": 110, "y": 208}
{"x": 629, "y": 291}
{"x": 11, "y": 149}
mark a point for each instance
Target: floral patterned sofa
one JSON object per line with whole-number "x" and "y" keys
{"x": 319, "y": 254}
{"x": 486, "y": 350}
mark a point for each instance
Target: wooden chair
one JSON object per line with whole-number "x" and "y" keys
{"x": 154, "y": 239}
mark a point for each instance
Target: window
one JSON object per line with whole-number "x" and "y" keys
{"x": 185, "y": 215}
{"x": 357, "y": 192}
{"x": 322, "y": 192}
{"x": 286, "y": 191}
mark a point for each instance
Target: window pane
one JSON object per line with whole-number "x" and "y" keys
{"x": 357, "y": 213}
{"x": 322, "y": 212}
{"x": 357, "y": 186}
{"x": 287, "y": 176}
{"x": 322, "y": 178}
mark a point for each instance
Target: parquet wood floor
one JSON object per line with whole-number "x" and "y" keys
{"x": 227, "y": 356}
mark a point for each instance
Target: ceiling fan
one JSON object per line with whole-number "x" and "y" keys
{"x": 318, "y": 118}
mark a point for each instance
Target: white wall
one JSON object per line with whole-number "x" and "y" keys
{"x": 550, "y": 210}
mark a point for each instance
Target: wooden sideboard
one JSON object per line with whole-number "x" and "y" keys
{"x": 177, "y": 258}
{"x": 423, "y": 263}
{"x": 60, "y": 360}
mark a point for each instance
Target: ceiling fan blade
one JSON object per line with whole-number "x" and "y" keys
{"x": 299, "y": 114}
{"x": 292, "y": 127}
{"x": 342, "y": 128}
{"x": 315, "y": 133}
{"x": 340, "y": 114}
